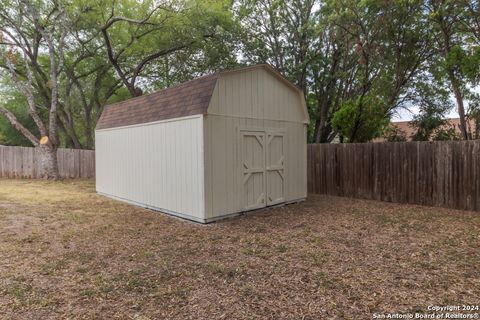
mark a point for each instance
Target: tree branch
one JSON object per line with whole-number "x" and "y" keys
{"x": 27, "y": 91}
{"x": 18, "y": 126}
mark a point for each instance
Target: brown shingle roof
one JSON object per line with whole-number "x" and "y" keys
{"x": 189, "y": 98}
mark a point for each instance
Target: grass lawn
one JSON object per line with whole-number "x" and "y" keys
{"x": 66, "y": 252}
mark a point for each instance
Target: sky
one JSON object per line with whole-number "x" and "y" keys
{"x": 407, "y": 115}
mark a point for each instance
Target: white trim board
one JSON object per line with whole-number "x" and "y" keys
{"x": 151, "y": 123}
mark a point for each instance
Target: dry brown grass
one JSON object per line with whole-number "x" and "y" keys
{"x": 66, "y": 252}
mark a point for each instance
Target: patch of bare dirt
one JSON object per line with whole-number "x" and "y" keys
{"x": 66, "y": 252}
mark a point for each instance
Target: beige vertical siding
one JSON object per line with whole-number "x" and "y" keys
{"x": 157, "y": 165}
{"x": 256, "y": 94}
{"x": 256, "y": 100}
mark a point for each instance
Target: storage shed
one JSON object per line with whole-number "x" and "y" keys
{"x": 215, "y": 146}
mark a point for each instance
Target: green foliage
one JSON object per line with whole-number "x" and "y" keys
{"x": 340, "y": 51}
{"x": 358, "y": 62}
{"x": 474, "y": 116}
{"x": 445, "y": 134}
{"x": 434, "y": 103}
{"x": 457, "y": 55}
{"x": 471, "y": 65}
{"x": 426, "y": 125}
{"x": 394, "y": 134}
{"x": 281, "y": 33}
{"x": 312, "y": 107}
{"x": 361, "y": 119}
{"x": 201, "y": 29}
{"x": 8, "y": 135}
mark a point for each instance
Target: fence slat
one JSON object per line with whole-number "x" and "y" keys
{"x": 22, "y": 162}
{"x": 441, "y": 173}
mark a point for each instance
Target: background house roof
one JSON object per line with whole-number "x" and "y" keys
{"x": 405, "y": 128}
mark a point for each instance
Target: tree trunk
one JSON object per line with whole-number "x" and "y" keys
{"x": 48, "y": 162}
{"x": 460, "y": 106}
{"x": 454, "y": 81}
{"x": 88, "y": 129}
{"x": 321, "y": 134}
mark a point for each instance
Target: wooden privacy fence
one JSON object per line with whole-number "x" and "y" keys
{"x": 444, "y": 174}
{"x": 22, "y": 162}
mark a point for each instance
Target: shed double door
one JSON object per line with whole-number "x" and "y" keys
{"x": 263, "y": 168}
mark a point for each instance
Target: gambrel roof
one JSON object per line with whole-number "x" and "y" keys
{"x": 186, "y": 99}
